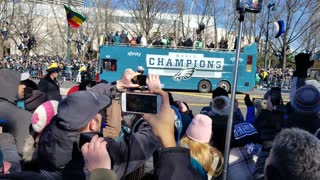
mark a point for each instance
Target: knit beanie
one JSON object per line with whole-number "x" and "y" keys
{"x": 43, "y": 115}
{"x": 219, "y": 92}
{"x": 307, "y": 99}
{"x": 200, "y": 128}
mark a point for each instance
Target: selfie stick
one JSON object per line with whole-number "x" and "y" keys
{"x": 233, "y": 96}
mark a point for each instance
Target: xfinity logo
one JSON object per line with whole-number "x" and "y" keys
{"x": 134, "y": 54}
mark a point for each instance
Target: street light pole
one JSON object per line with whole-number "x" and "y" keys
{"x": 267, "y": 36}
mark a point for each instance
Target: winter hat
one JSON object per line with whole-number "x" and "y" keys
{"x": 220, "y": 105}
{"x": 307, "y": 99}
{"x": 200, "y": 129}
{"x": 53, "y": 68}
{"x": 219, "y": 91}
{"x": 35, "y": 100}
{"x": 43, "y": 115}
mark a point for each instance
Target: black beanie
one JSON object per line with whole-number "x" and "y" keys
{"x": 219, "y": 91}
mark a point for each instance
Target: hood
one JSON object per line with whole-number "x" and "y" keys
{"x": 9, "y": 83}
{"x": 220, "y": 105}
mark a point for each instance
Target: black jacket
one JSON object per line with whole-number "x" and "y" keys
{"x": 60, "y": 157}
{"x": 175, "y": 163}
{"x": 50, "y": 87}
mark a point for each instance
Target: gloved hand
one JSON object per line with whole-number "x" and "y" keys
{"x": 303, "y": 63}
{"x": 247, "y": 100}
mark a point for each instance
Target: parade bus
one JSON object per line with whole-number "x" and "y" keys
{"x": 182, "y": 69}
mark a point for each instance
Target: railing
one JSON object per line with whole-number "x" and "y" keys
{"x": 170, "y": 47}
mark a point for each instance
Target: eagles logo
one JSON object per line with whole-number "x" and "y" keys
{"x": 185, "y": 74}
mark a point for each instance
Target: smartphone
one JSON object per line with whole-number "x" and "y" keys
{"x": 275, "y": 96}
{"x": 139, "y": 103}
{"x": 87, "y": 136}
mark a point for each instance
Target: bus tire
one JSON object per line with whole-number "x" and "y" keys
{"x": 204, "y": 86}
{"x": 225, "y": 85}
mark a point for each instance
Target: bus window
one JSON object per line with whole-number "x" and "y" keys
{"x": 109, "y": 64}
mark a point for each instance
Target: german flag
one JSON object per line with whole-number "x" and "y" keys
{"x": 74, "y": 19}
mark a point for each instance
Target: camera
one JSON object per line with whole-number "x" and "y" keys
{"x": 87, "y": 136}
{"x": 253, "y": 6}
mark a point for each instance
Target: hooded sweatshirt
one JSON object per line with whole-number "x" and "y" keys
{"x": 17, "y": 121}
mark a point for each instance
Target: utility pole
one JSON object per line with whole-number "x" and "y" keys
{"x": 68, "y": 39}
{"x": 270, "y": 5}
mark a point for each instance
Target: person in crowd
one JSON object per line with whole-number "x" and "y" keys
{"x": 304, "y": 104}
{"x": 49, "y": 84}
{"x": 198, "y": 44}
{"x": 16, "y": 120}
{"x": 124, "y": 37}
{"x": 65, "y": 159}
{"x": 205, "y": 158}
{"x": 110, "y": 38}
{"x": 116, "y": 38}
{"x": 171, "y": 163}
{"x": 294, "y": 155}
{"x": 97, "y": 159}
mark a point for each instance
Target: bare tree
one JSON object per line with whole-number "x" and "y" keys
{"x": 147, "y": 14}
{"x": 298, "y": 18}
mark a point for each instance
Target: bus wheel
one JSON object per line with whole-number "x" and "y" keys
{"x": 225, "y": 85}
{"x": 204, "y": 86}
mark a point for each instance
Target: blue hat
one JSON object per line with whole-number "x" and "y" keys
{"x": 77, "y": 109}
{"x": 307, "y": 99}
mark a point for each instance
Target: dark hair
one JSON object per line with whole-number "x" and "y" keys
{"x": 294, "y": 155}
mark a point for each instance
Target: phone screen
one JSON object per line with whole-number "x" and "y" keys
{"x": 141, "y": 103}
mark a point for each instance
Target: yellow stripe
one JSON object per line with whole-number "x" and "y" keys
{"x": 208, "y": 96}
{"x": 203, "y": 105}
{"x": 77, "y": 20}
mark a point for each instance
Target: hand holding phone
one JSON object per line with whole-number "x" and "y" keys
{"x": 163, "y": 123}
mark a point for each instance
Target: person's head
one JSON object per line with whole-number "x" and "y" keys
{"x": 11, "y": 87}
{"x": 53, "y": 70}
{"x": 220, "y": 105}
{"x": 306, "y": 100}
{"x": 197, "y": 140}
{"x": 140, "y": 69}
{"x": 295, "y": 155}
{"x": 80, "y": 111}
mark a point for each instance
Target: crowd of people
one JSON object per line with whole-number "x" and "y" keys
{"x": 86, "y": 135}
{"x": 36, "y": 65}
{"x": 273, "y": 77}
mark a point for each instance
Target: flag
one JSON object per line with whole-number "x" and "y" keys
{"x": 280, "y": 29}
{"x": 74, "y": 19}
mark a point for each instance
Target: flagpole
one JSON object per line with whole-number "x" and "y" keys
{"x": 68, "y": 39}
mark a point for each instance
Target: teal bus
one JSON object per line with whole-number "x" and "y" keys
{"x": 182, "y": 69}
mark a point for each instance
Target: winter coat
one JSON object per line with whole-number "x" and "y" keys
{"x": 17, "y": 120}
{"x": 175, "y": 163}
{"x": 50, "y": 87}
{"x": 59, "y": 154}
{"x": 102, "y": 174}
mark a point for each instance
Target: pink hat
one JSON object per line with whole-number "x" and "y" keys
{"x": 43, "y": 115}
{"x": 200, "y": 128}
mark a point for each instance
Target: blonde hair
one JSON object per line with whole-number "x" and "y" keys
{"x": 205, "y": 155}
